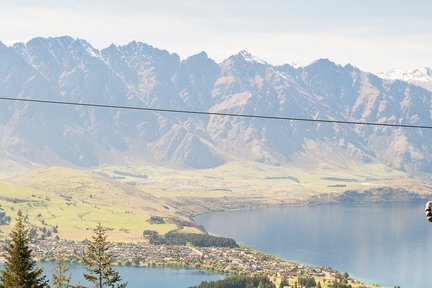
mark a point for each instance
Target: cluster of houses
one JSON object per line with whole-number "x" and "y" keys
{"x": 241, "y": 260}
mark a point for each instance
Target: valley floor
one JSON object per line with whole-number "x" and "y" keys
{"x": 64, "y": 203}
{"x": 68, "y": 203}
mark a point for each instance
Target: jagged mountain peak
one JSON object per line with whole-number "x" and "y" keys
{"x": 62, "y": 40}
{"x": 142, "y": 75}
{"x": 244, "y": 55}
{"x": 295, "y": 64}
{"x": 327, "y": 71}
{"x": 42, "y": 47}
{"x": 244, "y": 62}
{"x": 81, "y": 45}
{"x": 350, "y": 67}
{"x": 322, "y": 63}
{"x": 197, "y": 57}
{"x": 138, "y": 46}
{"x": 287, "y": 68}
{"x": 144, "y": 49}
{"x": 55, "y": 47}
{"x": 198, "y": 61}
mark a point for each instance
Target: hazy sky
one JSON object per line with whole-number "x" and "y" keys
{"x": 374, "y": 35}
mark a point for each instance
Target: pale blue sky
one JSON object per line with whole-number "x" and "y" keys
{"x": 374, "y": 35}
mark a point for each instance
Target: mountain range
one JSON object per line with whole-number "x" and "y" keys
{"x": 137, "y": 74}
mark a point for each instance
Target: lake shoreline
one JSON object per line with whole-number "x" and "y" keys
{"x": 326, "y": 199}
{"x": 229, "y": 261}
{"x": 382, "y": 215}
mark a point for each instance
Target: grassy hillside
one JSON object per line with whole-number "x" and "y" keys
{"x": 124, "y": 198}
{"x": 76, "y": 201}
{"x": 270, "y": 183}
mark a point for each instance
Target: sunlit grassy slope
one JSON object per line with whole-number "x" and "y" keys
{"x": 251, "y": 179}
{"x": 124, "y": 198}
{"x": 76, "y": 201}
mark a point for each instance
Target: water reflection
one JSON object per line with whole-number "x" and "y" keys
{"x": 138, "y": 277}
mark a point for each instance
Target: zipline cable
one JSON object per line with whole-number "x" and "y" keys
{"x": 41, "y": 101}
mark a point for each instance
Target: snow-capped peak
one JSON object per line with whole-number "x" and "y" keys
{"x": 296, "y": 64}
{"x": 90, "y": 50}
{"x": 413, "y": 75}
{"x": 249, "y": 57}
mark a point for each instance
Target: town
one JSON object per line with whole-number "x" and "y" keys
{"x": 234, "y": 261}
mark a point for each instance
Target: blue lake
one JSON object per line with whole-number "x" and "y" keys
{"x": 388, "y": 244}
{"x": 139, "y": 277}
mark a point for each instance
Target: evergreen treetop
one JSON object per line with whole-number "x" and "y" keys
{"x": 20, "y": 269}
{"x": 99, "y": 260}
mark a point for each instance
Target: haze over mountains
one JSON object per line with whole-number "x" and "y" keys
{"x": 137, "y": 74}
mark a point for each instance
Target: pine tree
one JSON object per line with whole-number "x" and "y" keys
{"x": 20, "y": 269}
{"x": 98, "y": 261}
{"x": 60, "y": 275}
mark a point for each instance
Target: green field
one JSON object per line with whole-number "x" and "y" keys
{"x": 76, "y": 201}
{"x": 124, "y": 198}
{"x": 251, "y": 180}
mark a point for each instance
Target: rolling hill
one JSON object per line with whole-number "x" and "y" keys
{"x": 69, "y": 203}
